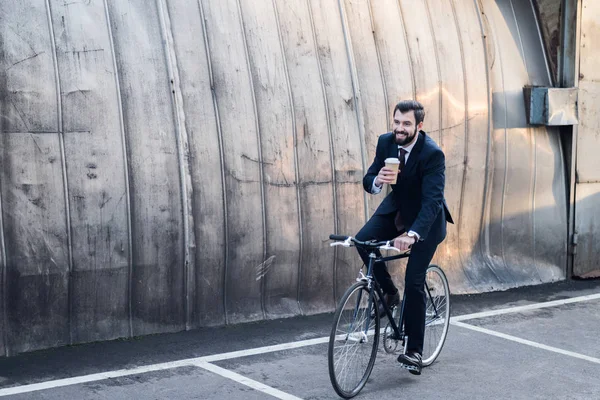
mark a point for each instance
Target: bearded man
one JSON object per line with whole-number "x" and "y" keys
{"x": 413, "y": 214}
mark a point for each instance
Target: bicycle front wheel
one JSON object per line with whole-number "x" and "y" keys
{"x": 353, "y": 341}
{"x": 437, "y": 313}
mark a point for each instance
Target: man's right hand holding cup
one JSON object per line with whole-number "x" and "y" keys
{"x": 389, "y": 173}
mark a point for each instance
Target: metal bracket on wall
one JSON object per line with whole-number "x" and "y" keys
{"x": 551, "y": 106}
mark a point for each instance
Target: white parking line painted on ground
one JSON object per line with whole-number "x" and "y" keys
{"x": 259, "y": 350}
{"x": 266, "y": 349}
{"x": 527, "y": 307}
{"x": 247, "y": 381}
{"x": 527, "y": 342}
{"x": 93, "y": 377}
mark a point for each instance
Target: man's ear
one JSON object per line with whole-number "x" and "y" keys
{"x": 420, "y": 126}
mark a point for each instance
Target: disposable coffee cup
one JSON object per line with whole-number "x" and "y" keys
{"x": 393, "y": 164}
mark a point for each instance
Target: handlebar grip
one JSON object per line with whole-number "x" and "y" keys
{"x": 338, "y": 237}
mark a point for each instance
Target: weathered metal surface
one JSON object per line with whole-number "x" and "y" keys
{"x": 469, "y": 216}
{"x": 347, "y": 149}
{"x": 453, "y": 134}
{"x": 371, "y": 98}
{"x": 205, "y": 160}
{"x": 234, "y": 94}
{"x": 211, "y": 146}
{"x": 523, "y": 214}
{"x": 316, "y": 171}
{"x": 396, "y": 73}
{"x": 99, "y": 282}
{"x": 587, "y": 212}
{"x": 36, "y": 288}
{"x": 278, "y": 274}
{"x": 157, "y": 276}
{"x": 37, "y": 278}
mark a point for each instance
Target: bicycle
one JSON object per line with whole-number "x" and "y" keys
{"x": 355, "y": 332}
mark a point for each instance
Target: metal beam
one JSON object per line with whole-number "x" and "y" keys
{"x": 568, "y": 76}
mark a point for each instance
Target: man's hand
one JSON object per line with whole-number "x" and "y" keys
{"x": 403, "y": 242}
{"x": 386, "y": 175}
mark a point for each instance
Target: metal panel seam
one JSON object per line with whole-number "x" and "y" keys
{"x": 61, "y": 139}
{"x": 331, "y": 146}
{"x": 296, "y": 163}
{"x": 260, "y": 159}
{"x": 357, "y": 97}
{"x": 410, "y": 64}
{"x": 126, "y": 169}
{"x": 437, "y": 63}
{"x": 182, "y": 143}
{"x": 378, "y": 52}
{"x": 4, "y": 277}
{"x": 484, "y": 230}
{"x": 503, "y": 202}
{"x": 532, "y": 134}
{"x": 520, "y": 38}
{"x": 566, "y": 81}
{"x": 466, "y": 117}
{"x": 220, "y": 139}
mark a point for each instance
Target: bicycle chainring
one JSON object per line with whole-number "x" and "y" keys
{"x": 390, "y": 345}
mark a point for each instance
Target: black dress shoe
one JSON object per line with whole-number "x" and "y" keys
{"x": 412, "y": 362}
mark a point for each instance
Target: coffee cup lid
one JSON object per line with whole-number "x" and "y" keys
{"x": 392, "y": 160}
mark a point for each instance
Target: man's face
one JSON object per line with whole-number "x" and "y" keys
{"x": 405, "y": 128}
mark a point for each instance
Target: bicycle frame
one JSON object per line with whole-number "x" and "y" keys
{"x": 374, "y": 286}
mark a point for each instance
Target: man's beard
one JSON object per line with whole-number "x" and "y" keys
{"x": 404, "y": 141}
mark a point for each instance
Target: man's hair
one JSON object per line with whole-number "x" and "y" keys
{"x": 407, "y": 105}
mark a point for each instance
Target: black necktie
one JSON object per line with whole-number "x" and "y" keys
{"x": 402, "y": 157}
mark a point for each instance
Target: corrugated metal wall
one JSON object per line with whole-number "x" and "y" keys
{"x": 174, "y": 164}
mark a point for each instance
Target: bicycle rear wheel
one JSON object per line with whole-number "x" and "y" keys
{"x": 353, "y": 341}
{"x": 437, "y": 313}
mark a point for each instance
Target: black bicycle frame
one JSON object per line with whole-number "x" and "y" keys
{"x": 375, "y": 286}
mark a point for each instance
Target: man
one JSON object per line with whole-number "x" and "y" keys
{"x": 414, "y": 214}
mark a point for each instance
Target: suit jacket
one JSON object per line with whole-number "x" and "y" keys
{"x": 419, "y": 190}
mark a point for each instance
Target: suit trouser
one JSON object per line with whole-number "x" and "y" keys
{"x": 381, "y": 227}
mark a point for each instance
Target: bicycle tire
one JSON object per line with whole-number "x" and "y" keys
{"x": 437, "y": 313}
{"x": 349, "y": 340}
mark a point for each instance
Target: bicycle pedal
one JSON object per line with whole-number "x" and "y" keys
{"x": 409, "y": 367}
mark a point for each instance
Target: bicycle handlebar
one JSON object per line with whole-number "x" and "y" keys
{"x": 346, "y": 241}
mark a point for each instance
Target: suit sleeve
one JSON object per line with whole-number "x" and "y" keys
{"x": 432, "y": 192}
{"x": 375, "y": 167}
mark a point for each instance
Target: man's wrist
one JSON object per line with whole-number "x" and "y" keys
{"x": 414, "y": 235}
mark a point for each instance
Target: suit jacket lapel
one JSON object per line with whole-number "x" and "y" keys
{"x": 414, "y": 154}
{"x": 392, "y": 148}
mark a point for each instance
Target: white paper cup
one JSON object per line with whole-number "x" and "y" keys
{"x": 393, "y": 163}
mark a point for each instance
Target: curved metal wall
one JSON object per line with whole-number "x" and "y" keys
{"x": 174, "y": 164}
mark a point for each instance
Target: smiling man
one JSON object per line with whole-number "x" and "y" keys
{"x": 414, "y": 214}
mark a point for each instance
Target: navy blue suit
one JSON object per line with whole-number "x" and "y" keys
{"x": 419, "y": 196}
